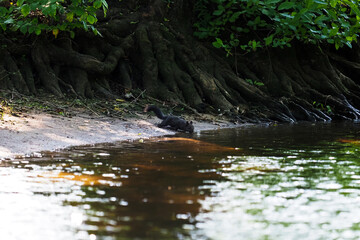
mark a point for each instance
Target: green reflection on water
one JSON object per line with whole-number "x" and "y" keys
{"x": 285, "y": 182}
{"x": 294, "y": 189}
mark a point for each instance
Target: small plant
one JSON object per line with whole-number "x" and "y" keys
{"x": 256, "y": 83}
{"x": 322, "y": 107}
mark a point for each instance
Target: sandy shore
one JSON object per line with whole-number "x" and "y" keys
{"x": 32, "y": 133}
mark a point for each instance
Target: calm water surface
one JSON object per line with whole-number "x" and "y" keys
{"x": 281, "y": 182}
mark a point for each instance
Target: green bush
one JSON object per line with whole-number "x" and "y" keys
{"x": 38, "y": 16}
{"x": 253, "y": 24}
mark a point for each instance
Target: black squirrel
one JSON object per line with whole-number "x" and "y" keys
{"x": 174, "y": 122}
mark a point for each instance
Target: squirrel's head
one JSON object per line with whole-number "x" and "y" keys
{"x": 189, "y": 127}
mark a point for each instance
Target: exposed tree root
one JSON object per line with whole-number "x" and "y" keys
{"x": 139, "y": 50}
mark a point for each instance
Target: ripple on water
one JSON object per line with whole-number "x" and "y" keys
{"x": 301, "y": 206}
{"x": 284, "y": 182}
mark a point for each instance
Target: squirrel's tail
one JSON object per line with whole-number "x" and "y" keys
{"x": 156, "y": 110}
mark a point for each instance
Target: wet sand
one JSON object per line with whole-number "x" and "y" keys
{"x": 32, "y": 133}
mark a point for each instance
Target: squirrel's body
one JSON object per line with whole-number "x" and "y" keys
{"x": 174, "y": 122}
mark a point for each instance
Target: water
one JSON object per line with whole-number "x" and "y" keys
{"x": 268, "y": 182}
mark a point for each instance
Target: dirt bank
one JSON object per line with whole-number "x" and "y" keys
{"x": 32, "y": 133}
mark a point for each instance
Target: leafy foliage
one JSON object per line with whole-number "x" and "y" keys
{"x": 253, "y": 24}
{"x": 38, "y": 16}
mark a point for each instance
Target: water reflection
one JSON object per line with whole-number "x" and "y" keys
{"x": 280, "y": 182}
{"x": 300, "y": 189}
{"x": 293, "y": 203}
{"x": 126, "y": 190}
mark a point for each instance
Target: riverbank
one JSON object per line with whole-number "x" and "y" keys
{"x": 31, "y": 133}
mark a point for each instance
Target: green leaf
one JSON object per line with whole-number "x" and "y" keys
{"x": 249, "y": 81}
{"x": 24, "y": 28}
{"x": 269, "y": 40}
{"x": 328, "y": 109}
{"x": 49, "y": 10}
{"x": 258, "y": 83}
{"x": 85, "y": 26}
{"x": 70, "y": 16}
{"x": 62, "y": 27}
{"x": 348, "y": 44}
{"x": 38, "y": 31}
{"x": 254, "y": 45}
{"x": 234, "y": 17}
{"x": 104, "y": 3}
{"x": 3, "y": 12}
{"x": 91, "y": 19}
{"x": 25, "y": 10}
{"x": 319, "y": 19}
{"x": 53, "y": 9}
{"x": 333, "y": 14}
{"x": 218, "y": 12}
{"x": 95, "y": 31}
{"x": 218, "y": 43}
{"x": 3, "y": 26}
{"x": 72, "y": 34}
{"x": 19, "y": 3}
{"x": 334, "y": 31}
{"x": 79, "y": 11}
{"x": 272, "y": 1}
{"x": 286, "y": 5}
{"x": 97, "y": 4}
{"x": 55, "y": 32}
{"x": 105, "y": 10}
{"x": 337, "y": 44}
{"x": 32, "y": 29}
{"x": 333, "y": 3}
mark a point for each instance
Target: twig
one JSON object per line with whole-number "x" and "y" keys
{"x": 140, "y": 94}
